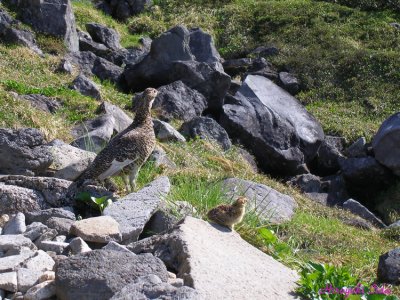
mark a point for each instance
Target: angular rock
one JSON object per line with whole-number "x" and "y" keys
{"x": 15, "y": 199}
{"x": 151, "y": 287}
{"x": 82, "y": 60}
{"x": 14, "y": 262}
{"x": 170, "y": 60}
{"x": 134, "y": 210}
{"x": 22, "y": 152}
{"x": 360, "y": 210}
{"x": 386, "y": 144}
{"x": 8, "y": 281}
{"x": 106, "y": 70}
{"x": 267, "y": 202}
{"x": 357, "y": 149}
{"x": 79, "y": 246}
{"x": 122, "y": 10}
{"x": 62, "y": 225}
{"x": 273, "y": 125}
{"x": 206, "y": 128}
{"x": 15, "y": 243}
{"x": 389, "y": 267}
{"x": 27, "y": 278}
{"x": 42, "y": 102}
{"x": 99, "y": 274}
{"x": 104, "y": 35}
{"x": 177, "y": 101}
{"x": 94, "y": 134}
{"x": 41, "y": 261}
{"x": 35, "y": 230}
{"x": 48, "y": 235}
{"x": 53, "y": 190}
{"x": 65, "y": 66}
{"x": 11, "y": 33}
{"x": 326, "y": 162}
{"x": 43, "y": 216}
{"x": 113, "y": 246}
{"x": 86, "y": 87}
{"x": 196, "y": 249}
{"x": 289, "y": 82}
{"x": 307, "y": 183}
{"x": 42, "y": 291}
{"x": 54, "y": 17}
{"x": 68, "y": 161}
{"x": 122, "y": 120}
{"x": 160, "y": 222}
{"x": 98, "y": 230}
{"x": 54, "y": 246}
{"x": 166, "y": 133}
{"x": 87, "y": 44}
{"x": 202, "y": 46}
{"x": 16, "y": 224}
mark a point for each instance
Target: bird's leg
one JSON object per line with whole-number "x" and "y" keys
{"x": 133, "y": 175}
{"x": 125, "y": 177}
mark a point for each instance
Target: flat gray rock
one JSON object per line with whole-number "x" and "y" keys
{"x": 219, "y": 264}
{"x": 15, "y": 242}
{"x": 15, "y": 199}
{"x": 41, "y": 261}
{"x": 62, "y": 225}
{"x": 166, "y": 133}
{"x": 268, "y": 203}
{"x": 14, "y": 262}
{"x": 101, "y": 229}
{"x": 360, "y": 210}
{"x": 43, "y": 216}
{"x": 8, "y": 281}
{"x": 134, "y": 210}
{"x": 99, "y": 274}
{"x": 113, "y": 246}
{"x": 27, "y": 278}
{"x": 44, "y": 290}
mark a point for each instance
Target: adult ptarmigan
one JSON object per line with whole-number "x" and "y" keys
{"x": 128, "y": 150}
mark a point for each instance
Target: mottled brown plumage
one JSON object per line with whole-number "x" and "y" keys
{"x": 228, "y": 215}
{"x": 128, "y": 150}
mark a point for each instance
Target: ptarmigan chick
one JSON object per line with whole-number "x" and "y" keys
{"x": 228, "y": 215}
{"x": 128, "y": 150}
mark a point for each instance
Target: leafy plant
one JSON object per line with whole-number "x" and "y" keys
{"x": 98, "y": 203}
{"x": 276, "y": 248}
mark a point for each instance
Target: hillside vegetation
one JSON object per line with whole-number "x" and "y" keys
{"x": 346, "y": 56}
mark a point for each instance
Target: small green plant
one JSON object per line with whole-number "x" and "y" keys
{"x": 275, "y": 247}
{"x": 98, "y": 203}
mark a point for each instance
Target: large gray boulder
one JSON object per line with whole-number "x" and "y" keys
{"x": 22, "y": 151}
{"x": 219, "y": 264}
{"x": 386, "y": 143}
{"x": 86, "y": 87}
{"x": 14, "y": 199}
{"x": 104, "y": 35}
{"x": 42, "y": 102}
{"x": 267, "y": 203}
{"x": 170, "y": 59}
{"x": 53, "y": 17}
{"x": 134, "y": 210}
{"x": 202, "y": 47}
{"x": 206, "y": 128}
{"x": 358, "y": 209}
{"x": 273, "y": 125}
{"x": 177, "y": 101}
{"x": 99, "y": 274}
{"x": 389, "y": 267}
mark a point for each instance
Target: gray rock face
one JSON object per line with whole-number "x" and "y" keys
{"x": 15, "y": 243}
{"x": 202, "y": 46}
{"x": 357, "y": 149}
{"x": 53, "y": 190}
{"x": 8, "y": 281}
{"x": 151, "y": 287}
{"x": 104, "y": 35}
{"x": 86, "y": 87}
{"x": 177, "y": 101}
{"x": 358, "y": 209}
{"x": 268, "y": 203}
{"x": 22, "y": 152}
{"x": 27, "y": 278}
{"x": 54, "y": 17}
{"x": 43, "y": 216}
{"x": 206, "y": 128}
{"x": 170, "y": 60}
{"x": 113, "y": 246}
{"x": 308, "y": 183}
{"x": 273, "y": 125}
{"x": 289, "y": 82}
{"x": 62, "y": 225}
{"x": 44, "y": 290}
{"x": 197, "y": 249}
{"x": 122, "y": 10}
{"x": 166, "y": 133}
{"x": 68, "y": 161}
{"x": 42, "y": 102}
{"x": 122, "y": 120}
{"x": 326, "y": 162}
{"x": 14, "y": 199}
{"x": 389, "y": 267}
{"x": 134, "y": 210}
{"x": 386, "y": 143}
{"x": 99, "y": 274}
{"x": 86, "y": 43}
{"x": 79, "y": 246}
{"x": 11, "y": 34}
